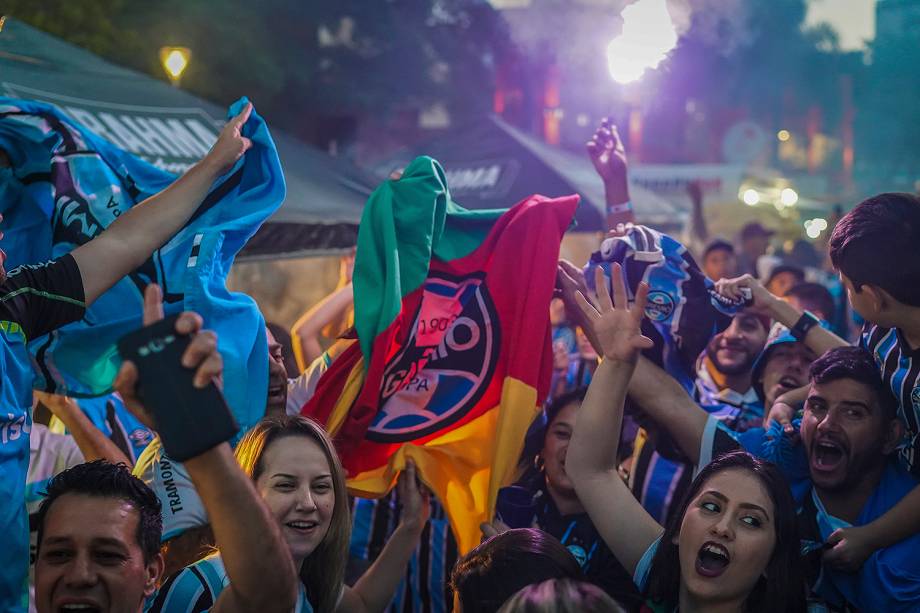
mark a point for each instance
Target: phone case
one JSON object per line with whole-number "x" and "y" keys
{"x": 189, "y": 420}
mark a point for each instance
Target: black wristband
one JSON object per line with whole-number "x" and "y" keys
{"x": 805, "y": 323}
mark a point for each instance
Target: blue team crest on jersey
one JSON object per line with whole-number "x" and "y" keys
{"x": 444, "y": 366}
{"x": 140, "y": 437}
{"x": 683, "y": 310}
{"x": 660, "y": 305}
{"x": 580, "y": 555}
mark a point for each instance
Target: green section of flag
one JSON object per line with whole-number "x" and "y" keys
{"x": 406, "y": 223}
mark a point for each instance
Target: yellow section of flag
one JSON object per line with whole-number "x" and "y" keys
{"x": 466, "y": 466}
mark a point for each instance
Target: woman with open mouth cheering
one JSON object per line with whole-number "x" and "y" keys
{"x": 732, "y": 545}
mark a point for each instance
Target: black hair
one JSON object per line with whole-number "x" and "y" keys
{"x": 489, "y": 575}
{"x": 536, "y": 434}
{"x": 782, "y": 588}
{"x": 816, "y": 296}
{"x": 102, "y": 479}
{"x": 876, "y": 244}
{"x": 781, "y": 268}
{"x": 718, "y": 245}
{"x": 561, "y": 401}
{"x": 857, "y": 364}
{"x": 283, "y": 337}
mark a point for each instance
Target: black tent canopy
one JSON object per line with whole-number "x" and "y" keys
{"x": 491, "y": 164}
{"x": 172, "y": 129}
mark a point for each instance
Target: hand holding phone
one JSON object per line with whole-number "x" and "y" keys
{"x": 160, "y": 385}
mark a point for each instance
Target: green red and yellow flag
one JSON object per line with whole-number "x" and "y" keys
{"x": 453, "y": 352}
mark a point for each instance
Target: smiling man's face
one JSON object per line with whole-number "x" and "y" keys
{"x": 89, "y": 559}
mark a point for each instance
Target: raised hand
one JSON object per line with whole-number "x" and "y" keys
{"x": 608, "y": 154}
{"x": 616, "y": 326}
{"x": 61, "y": 406}
{"x": 201, "y": 354}
{"x": 762, "y": 299}
{"x": 414, "y": 498}
{"x": 783, "y": 414}
{"x": 231, "y": 144}
{"x": 569, "y": 281}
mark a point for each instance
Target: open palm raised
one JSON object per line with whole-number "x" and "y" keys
{"x": 616, "y": 326}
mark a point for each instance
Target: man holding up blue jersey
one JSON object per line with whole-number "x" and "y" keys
{"x": 34, "y": 300}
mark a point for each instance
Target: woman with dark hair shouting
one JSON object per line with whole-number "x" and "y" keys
{"x": 733, "y": 545}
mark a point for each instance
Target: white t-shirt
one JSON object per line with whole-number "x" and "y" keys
{"x": 182, "y": 507}
{"x": 302, "y": 388}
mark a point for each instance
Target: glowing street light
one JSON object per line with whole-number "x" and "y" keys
{"x": 175, "y": 60}
{"x": 783, "y": 135}
{"x": 788, "y": 196}
{"x": 750, "y": 197}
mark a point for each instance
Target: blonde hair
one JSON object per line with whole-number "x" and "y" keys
{"x": 323, "y": 571}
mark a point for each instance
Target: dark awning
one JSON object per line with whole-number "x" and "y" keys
{"x": 172, "y": 129}
{"x": 491, "y": 164}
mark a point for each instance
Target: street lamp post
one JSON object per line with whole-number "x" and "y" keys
{"x": 175, "y": 60}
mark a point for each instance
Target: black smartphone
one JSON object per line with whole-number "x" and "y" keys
{"x": 190, "y": 420}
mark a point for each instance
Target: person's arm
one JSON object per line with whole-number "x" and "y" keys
{"x": 247, "y": 535}
{"x": 852, "y": 546}
{"x": 664, "y": 400}
{"x": 570, "y": 280}
{"x": 652, "y": 388}
{"x": 305, "y": 332}
{"x": 818, "y": 338}
{"x": 609, "y": 158}
{"x": 591, "y": 460}
{"x": 699, "y": 233}
{"x": 93, "y": 444}
{"x": 785, "y": 407}
{"x": 133, "y": 237}
{"x": 376, "y": 587}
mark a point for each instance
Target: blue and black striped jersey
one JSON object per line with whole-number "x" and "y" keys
{"x": 900, "y": 368}
{"x": 195, "y": 589}
{"x": 425, "y": 586}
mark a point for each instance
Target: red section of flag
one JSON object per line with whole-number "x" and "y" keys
{"x": 442, "y": 362}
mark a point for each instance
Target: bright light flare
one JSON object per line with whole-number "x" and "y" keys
{"x": 788, "y": 196}
{"x": 750, "y": 197}
{"x": 783, "y": 135}
{"x": 648, "y": 35}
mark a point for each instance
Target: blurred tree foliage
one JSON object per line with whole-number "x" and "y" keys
{"x": 304, "y": 63}
{"x": 759, "y": 59}
{"x": 888, "y": 129}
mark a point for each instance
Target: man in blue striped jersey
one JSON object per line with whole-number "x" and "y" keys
{"x": 874, "y": 247}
